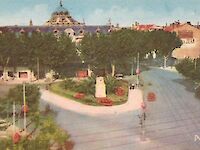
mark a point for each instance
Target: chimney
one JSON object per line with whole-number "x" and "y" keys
{"x": 117, "y": 25}
{"x": 31, "y": 23}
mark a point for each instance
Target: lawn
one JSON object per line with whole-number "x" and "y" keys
{"x": 90, "y": 99}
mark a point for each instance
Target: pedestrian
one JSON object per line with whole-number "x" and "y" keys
{"x": 142, "y": 113}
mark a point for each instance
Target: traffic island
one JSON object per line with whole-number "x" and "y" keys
{"x": 84, "y": 91}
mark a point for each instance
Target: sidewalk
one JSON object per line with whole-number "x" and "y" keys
{"x": 133, "y": 103}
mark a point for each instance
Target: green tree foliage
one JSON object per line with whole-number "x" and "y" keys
{"x": 64, "y": 54}
{"x": 9, "y": 49}
{"x": 111, "y": 84}
{"x": 86, "y": 86}
{"x": 187, "y": 68}
{"x": 32, "y": 96}
{"x": 190, "y": 69}
{"x": 197, "y": 92}
{"x": 164, "y": 43}
{"x": 26, "y": 49}
{"x": 122, "y": 46}
{"x": 47, "y": 135}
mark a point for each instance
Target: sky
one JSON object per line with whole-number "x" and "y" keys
{"x": 98, "y": 12}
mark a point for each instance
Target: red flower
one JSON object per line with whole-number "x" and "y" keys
{"x": 105, "y": 101}
{"x": 79, "y": 95}
{"x": 16, "y": 138}
{"x": 119, "y": 91}
{"x": 151, "y": 96}
{"x": 25, "y": 109}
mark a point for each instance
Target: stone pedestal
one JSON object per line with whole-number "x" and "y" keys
{"x": 100, "y": 88}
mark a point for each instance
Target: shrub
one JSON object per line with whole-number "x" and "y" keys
{"x": 32, "y": 96}
{"x": 86, "y": 86}
{"x": 68, "y": 84}
{"x": 187, "y": 68}
{"x": 105, "y": 101}
{"x": 79, "y": 95}
{"x": 119, "y": 91}
{"x": 111, "y": 84}
{"x": 49, "y": 133}
{"x": 197, "y": 92}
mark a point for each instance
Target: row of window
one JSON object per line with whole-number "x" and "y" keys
{"x": 188, "y": 41}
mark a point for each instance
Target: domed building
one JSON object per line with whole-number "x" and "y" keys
{"x": 61, "y": 17}
{"x": 60, "y": 22}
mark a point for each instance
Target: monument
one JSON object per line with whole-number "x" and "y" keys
{"x": 100, "y": 88}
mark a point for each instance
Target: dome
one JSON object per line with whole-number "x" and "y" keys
{"x": 61, "y": 17}
{"x": 61, "y": 10}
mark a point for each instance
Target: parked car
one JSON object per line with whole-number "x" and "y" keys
{"x": 132, "y": 86}
{"x": 119, "y": 76}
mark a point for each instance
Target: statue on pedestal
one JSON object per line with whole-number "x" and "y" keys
{"x": 100, "y": 88}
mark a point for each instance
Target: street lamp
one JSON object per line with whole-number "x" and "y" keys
{"x": 138, "y": 68}
{"x": 24, "y": 101}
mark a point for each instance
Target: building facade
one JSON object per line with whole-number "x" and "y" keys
{"x": 60, "y": 22}
{"x": 190, "y": 36}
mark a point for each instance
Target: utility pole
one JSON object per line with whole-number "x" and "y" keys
{"x": 24, "y": 99}
{"x": 13, "y": 118}
{"x": 138, "y": 68}
{"x": 38, "y": 69}
{"x": 14, "y": 128}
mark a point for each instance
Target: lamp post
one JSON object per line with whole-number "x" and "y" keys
{"x": 14, "y": 118}
{"x": 138, "y": 68}
{"x": 24, "y": 100}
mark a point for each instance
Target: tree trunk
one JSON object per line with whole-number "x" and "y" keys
{"x": 165, "y": 62}
{"x": 113, "y": 70}
{"x": 132, "y": 65}
{"x": 89, "y": 71}
{"x": 5, "y": 74}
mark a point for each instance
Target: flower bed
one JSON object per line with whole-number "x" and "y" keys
{"x": 151, "y": 96}
{"x": 105, "y": 101}
{"x": 79, "y": 96}
{"x": 85, "y": 94}
{"x": 119, "y": 91}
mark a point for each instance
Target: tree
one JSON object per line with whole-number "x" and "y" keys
{"x": 36, "y": 50}
{"x": 32, "y": 96}
{"x": 64, "y": 53}
{"x": 31, "y": 50}
{"x": 165, "y": 43}
{"x": 9, "y": 45}
{"x": 114, "y": 48}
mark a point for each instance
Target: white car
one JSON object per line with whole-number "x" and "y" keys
{"x": 119, "y": 76}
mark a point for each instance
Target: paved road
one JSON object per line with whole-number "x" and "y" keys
{"x": 172, "y": 121}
